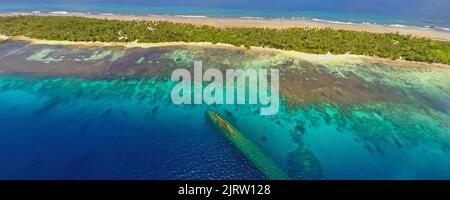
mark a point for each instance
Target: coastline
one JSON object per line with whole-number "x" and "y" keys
{"x": 429, "y": 33}
{"x": 319, "y": 58}
{"x": 127, "y": 45}
{"x": 3, "y": 38}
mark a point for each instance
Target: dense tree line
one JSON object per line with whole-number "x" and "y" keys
{"x": 310, "y": 40}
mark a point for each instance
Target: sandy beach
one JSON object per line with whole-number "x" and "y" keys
{"x": 434, "y": 34}
{"x": 316, "y": 58}
{"x": 306, "y": 56}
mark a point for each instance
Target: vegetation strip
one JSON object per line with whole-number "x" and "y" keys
{"x": 308, "y": 40}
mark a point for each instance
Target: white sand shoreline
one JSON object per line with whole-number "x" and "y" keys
{"x": 430, "y": 33}
{"x": 3, "y": 37}
{"x": 321, "y": 58}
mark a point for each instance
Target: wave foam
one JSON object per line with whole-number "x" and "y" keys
{"x": 249, "y": 17}
{"x": 333, "y": 22}
{"x": 66, "y": 13}
{"x": 107, "y": 14}
{"x": 443, "y": 28}
{"x": 59, "y": 12}
{"x": 398, "y": 25}
{"x": 191, "y": 16}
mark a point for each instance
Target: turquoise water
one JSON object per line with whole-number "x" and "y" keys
{"x": 52, "y": 132}
{"x": 77, "y": 113}
{"x": 416, "y": 13}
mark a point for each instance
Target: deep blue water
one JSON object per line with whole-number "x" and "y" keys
{"x": 433, "y": 13}
{"x": 53, "y": 135}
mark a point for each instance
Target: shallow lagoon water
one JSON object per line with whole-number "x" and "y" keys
{"x": 106, "y": 113}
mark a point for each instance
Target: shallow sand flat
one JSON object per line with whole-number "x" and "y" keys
{"x": 276, "y": 24}
{"x": 329, "y": 58}
{"x": 306, "y": 77}
{"x": 315, "y": 58}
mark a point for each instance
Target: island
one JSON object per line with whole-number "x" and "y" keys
{"x": 302, "y": 39}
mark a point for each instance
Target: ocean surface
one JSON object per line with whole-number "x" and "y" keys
{"x": 419, "y": 13}
{"x": 105, "y": 113}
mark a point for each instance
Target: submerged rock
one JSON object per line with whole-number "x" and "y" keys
{"x": 303, "y": 165}
{"x": 249, "y": 149}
